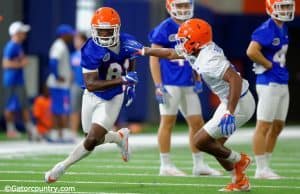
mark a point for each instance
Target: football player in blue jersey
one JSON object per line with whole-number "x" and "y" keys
{"x": 107, "y": 66}
{"x": 176, "y": 89}
{"x": 13, "y": 63}
{"x": 268, "y": 52}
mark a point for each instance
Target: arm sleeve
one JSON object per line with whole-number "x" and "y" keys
{"x": 10, "y": 52}
{"x": 158, "y": 36}
{"x": 88, "y": 61}
{"x": 263, "y": 36}
{"x": 53, "y": 63}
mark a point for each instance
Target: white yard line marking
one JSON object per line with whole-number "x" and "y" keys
{"x": 154, "y": 184}
{"x": 119, "y": 164}
{"x": 124, "y": 174}
{"x": 293, "y": 161}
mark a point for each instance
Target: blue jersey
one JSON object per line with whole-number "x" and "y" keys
{"x": 173, "y": 72}
{"x": 76, "y": 68}
{"x": 13, "y": 76}
{"x": 274, "y": 41}
{"x": 109, "y": 64}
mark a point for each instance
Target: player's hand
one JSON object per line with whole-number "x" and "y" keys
{"x": 131, "y": 78}
{"x": 198, "y": 87}
{"x": 129, "y": 94}
{"x": 134, "y": 47}
{"x": 227, "y": 124}
{"x": 161, "y": 93}
{"x": 24, "y": 61}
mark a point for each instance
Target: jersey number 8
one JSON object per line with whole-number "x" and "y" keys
{"x": 114, "y": 71}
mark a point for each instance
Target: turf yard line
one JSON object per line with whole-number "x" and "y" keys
{"x": 154, "y": 161}
{"x": 120, "y": 165}
{"x": 126, "y": 174}
{"x": 161, "y": 184}
{"x": 125, "y": 166}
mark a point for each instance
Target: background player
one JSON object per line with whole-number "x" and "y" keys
{"x": 77, "y": 83}
{"x": 174, "y": 83}
{"x": 268, "y": 52}
{"x": 237, "y": 103}
{"x": 15, "y": 97}
{"x": 59, "y": 81}
{"x": 105, "y": 59}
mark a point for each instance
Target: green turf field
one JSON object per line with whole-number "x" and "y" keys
{"x": 104, "y": 172}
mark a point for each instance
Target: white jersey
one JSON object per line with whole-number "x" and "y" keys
{"x": 212, "y": 64}
{"x": 60, "y": 51}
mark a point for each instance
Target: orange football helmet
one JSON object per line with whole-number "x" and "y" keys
{"x": 282, "y": 10}
{"x": 180, "y": 9}
{"x": 105, "y": 26}
{"x": 193, "y": 35}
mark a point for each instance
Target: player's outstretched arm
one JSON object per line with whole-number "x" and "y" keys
{"x": 167, "y": 53}
{"x": 235, "y": 88}
{"x": 255, "y": 54}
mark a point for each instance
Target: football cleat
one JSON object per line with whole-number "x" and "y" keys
{"x": 267, "y": 173}
{"x": 206, "y": 170}
{"x": 241, "y": 166}
{"x": 243, "y": 185}
{"x": 53, "y": 175}
{"x": 124, "y": 145}
{"x": 170, "y": 170}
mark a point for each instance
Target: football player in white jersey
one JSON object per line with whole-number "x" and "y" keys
{"x": 59, "y": 80}
{"x": 176, "y": 89}
{"x": 194, "y": 42}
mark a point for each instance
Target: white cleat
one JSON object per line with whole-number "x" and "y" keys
{"x": 266, "y": 173}
{"x": 53, "y": 175}
{"x": 170, "y": 171}
{"x": 124, "y": 145}
{"x": 206, "y": 170}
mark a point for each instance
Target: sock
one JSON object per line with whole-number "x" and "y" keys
{"x": 232, "y": 174}
{"x": 11, "y": 126}
{"x": 77, "y": 154}
{"x": 198, "y": 159}
{"x": 261, "y": 162}
{"x": 165, "y": 159}
{"x": 112, "y": 137}
{"x": 268, "y": 157}
{"x": 234, "y": 157}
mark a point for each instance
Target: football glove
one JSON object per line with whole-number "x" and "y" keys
{"x": 198, "y": 87}
{"x": 129, "y": 94}
{"x": 134, "y": 47}
{"x": 131, "y": 78}
{"x": 161, "y": 93}
{"x": 227, "y": 124}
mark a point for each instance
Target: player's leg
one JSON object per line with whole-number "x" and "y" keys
{"x": 190, "y": 108}
{"x": 268, "y": 100}
{"x": 23, "y": 100}
{"x": 11, "y": 130}
{"x": 56, "y": 109}
{"x": 232, "y": 161}
{"x": 277, "y": 126}
{"x": 210, "y": 140}
{"x": 168, "y": 115}
{"x": 76, "y": 96}
{"x": 95, "y": 124}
